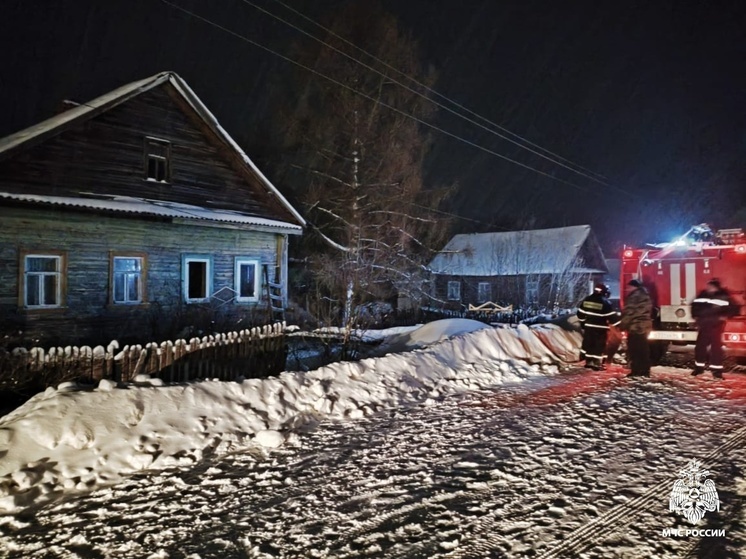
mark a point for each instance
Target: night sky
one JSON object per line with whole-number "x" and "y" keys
{"x": 649, "y": 94}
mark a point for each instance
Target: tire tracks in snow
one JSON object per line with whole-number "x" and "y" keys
{"x": 617, "y": 517}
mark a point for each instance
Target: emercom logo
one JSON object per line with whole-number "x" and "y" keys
{"x": 693, "y": 494}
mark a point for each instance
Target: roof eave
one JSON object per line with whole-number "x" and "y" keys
{"x": 191, "y": 97}
{"x": 38, "y": 132}
{"x": 260, "y": 224}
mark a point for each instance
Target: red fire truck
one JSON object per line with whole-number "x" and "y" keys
{"x": 674, "y": 273}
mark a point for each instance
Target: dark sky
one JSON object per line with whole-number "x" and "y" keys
{"x": 649, "y": 94}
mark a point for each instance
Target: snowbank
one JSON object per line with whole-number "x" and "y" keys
{"x": 428, "y": 334}
{"x": 67, "y": 441}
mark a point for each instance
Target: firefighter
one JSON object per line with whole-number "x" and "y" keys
{"x": 614, "y": 341}
{"x": 637, "y": 321}
{"x": 595, "y": 314}
{"x": 710, "y": 309}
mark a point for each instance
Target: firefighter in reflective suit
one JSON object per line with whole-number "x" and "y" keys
{"x": 710, "y": 309}
{"x": 596, "y": 314}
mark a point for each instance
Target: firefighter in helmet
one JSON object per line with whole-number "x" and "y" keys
{"x": 710, "y": 309}
{"x": 596, "y": 314}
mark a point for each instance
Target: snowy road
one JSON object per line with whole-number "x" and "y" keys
{"x": 578, "y": 465}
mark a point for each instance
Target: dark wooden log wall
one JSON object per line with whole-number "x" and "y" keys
{"x": 88, "y": 238}
{"x": 505, "y": 290}
{"x": 105, "y": 155}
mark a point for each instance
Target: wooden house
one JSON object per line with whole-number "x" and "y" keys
{"x": 542, "y": 268}
{"x": 136, "y": 215}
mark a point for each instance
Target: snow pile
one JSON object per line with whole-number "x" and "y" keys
{"x": 67, "y": 441}
{"x": 433, "y": 332}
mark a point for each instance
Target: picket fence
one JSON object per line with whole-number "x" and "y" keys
{"x": 511, "y": 316}
{"x": 251, "y": 353}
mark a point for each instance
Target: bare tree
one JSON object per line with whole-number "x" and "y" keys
{"x": 360, "y": 151}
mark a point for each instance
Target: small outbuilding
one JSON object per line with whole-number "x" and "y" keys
{"x": 543, "y": 268}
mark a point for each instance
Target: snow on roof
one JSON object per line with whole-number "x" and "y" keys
{"x": 539, "y": 251}
{"x": 117, "y": 96}
{"x": 144, "y": 206}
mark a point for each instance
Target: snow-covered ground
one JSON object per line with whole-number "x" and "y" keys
{"x": 482, "y": 445}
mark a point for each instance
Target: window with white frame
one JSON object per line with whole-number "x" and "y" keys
{"x": 247, "y": 279}
{"x": 127, "y": 279}
{"x": 42, "y": 280}
{"x": 197, "y": 278}
{"x": 157, "y": 160}
{"x": 484, "y": 292}
{"x": 454, "y": 290}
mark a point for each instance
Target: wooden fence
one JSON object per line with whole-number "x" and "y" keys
{"x": 257, "y": 352}
{"x": 430, "y": 314}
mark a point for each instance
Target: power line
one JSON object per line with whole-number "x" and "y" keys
{"x": 382, "y": 103}
{"x": 556, "y": 159}
{"x": 434, "y": 210}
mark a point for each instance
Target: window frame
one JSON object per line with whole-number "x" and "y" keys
{"x": 533, "y": 287}
{"x": 457, "y": 288}
{"x": 186, "y": 259}
{"x": 160, "y": 158}
{"x": 113, "y": 256}
{"x": 244, "y": 260}
{"x": 488, "y": 291}
{"x": 61, "y": 274}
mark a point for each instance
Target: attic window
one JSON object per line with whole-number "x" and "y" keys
{"x": 157, "y": 160}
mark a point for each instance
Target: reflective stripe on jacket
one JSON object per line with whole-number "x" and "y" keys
{"x": 710, "y": 308}
{"x": 595, "y": 311}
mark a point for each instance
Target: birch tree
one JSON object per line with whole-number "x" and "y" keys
{"x": 359, "y": 163}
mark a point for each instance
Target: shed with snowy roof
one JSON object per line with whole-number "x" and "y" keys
{"x": 542, "y": 268}
{"x": 135, "y": 215}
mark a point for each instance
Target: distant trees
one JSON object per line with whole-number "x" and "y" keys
{"x": 357, "y": 165}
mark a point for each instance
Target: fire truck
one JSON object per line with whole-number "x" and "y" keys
{"x": 675, "y": 272}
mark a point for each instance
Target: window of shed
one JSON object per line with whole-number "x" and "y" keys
{"x": 454, "y": 290}
{"x": 484, "y": 292}
{"x": 157, "y": 160}
{"x": 532, "y": 289}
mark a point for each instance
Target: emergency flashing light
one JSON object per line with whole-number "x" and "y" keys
{"x": 741, "y": 249}
{"x": 734, "y": 337}
{"x": 628, "y": 254}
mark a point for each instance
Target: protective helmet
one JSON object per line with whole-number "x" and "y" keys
{"x": 602, "y": 288}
